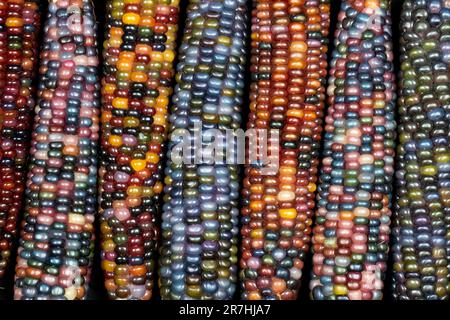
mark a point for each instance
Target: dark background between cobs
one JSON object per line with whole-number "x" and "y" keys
{"x": 97, "y": 291}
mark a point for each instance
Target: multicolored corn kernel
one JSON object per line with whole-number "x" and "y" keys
{"x": 138, "y": 71}
{"x": 421, "y": 242}
{"x": 19, "y": 29}
{"x": 289, "y": 61}
{"x": 57, "y": 231}
{"x": 351, "y": 236}
{"x": 200, "y": 215}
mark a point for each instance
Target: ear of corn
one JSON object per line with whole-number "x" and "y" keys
{"x": 421, "y": 243}
{"x": 56, "y": 241}
{"x": 288, "y": 91}
{"x": 19, "y": 28}
{"x": 139, "y": 53}
{"x": 200, "y": 219}
{"x": 351, "y": 236}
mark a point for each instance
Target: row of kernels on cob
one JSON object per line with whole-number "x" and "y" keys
{"x": 421, "y": 243}
{"x": 137, "y": 84}
{"x": 351, "y": 236}
{"x": 55, "y": 251}
{"x": 19, "y": 28}
{"x": 200, "y": 219}
{"x": 289, "y": 62}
